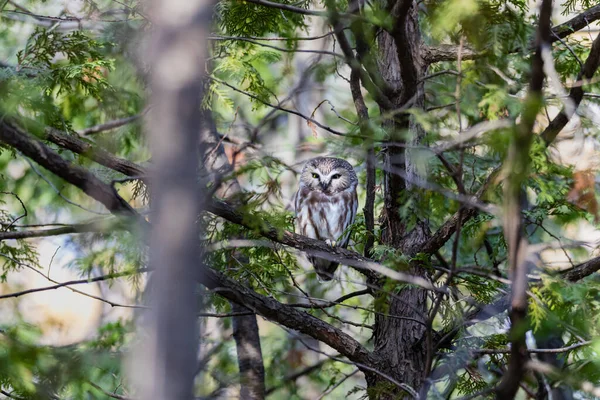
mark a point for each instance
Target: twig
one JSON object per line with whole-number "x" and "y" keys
{"x": 363, "y": 367}
{"x": 277, "y": 107}
{"x": 117, "y": 123}
{"x": 97, "y": 226}
{"x": 283, "y": 39}
{"x": 286, "y": 7}
{"x": 12, "y": 223}
{"x": 338, "y": 384}
{"x": 58, "y": 192}
{"x": 293, "y": 377}
{"x": 109, "y": 394}
{"x": 73, "y": 282}
{"x": 535, "y": 351}
{"x": 282, "y": 49}
{"x": 575, "y": 96}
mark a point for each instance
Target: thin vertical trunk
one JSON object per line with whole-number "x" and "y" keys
{"x": 245, "y": 327}
{"x": 165, "y": 363}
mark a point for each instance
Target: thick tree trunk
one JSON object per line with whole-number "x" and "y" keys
{"x": 400, "y": 343}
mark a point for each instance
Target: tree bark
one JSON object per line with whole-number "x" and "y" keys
{"x": 165, "y": 362}
{"x": 245, "y": 327}
{"x": 401, "y": 342}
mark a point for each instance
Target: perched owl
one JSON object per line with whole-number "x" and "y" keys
{"x": 326, "y": 204}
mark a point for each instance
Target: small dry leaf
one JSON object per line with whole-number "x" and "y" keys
{"x": 583, "y": 192}
{"x": 312, "y": 127}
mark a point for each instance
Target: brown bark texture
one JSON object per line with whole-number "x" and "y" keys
{"x": 166, "y": 357}
{"x": 245, "y": 327}
{"x": 400, "y": 343}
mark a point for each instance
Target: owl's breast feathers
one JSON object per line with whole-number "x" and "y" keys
{"x": 325, "y": 216}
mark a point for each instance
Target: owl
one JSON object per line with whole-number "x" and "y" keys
{"x": 326, "y": 204}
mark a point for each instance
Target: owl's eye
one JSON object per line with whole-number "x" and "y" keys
{"x": 315, "y": 175}
{"x": 336, "y": 176}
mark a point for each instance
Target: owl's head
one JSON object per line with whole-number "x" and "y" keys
{"x": 328, "y": 175}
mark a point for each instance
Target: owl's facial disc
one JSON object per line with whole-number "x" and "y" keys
{"x": 325, "y": 179}
{"x": 334, "y": 181}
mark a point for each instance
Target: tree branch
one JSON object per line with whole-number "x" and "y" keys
{"x": 287, "y": 7}
{"x": 366, "y": 76}
{"x": 94, "y": 153}
{"x": 363, "y": 118}
{"x": 288, "y": 316}
{"x": 282, "y": 49}
{"x": 96, "y": 226}
{"x": 517, "y": 166}
{"x": 316, "y": 247}
{"x": 73, "y": 282}
{"x": 445, "y": 232}
{"x": 117, "y": 123}
{"x": 277, "y": 107}
{"x": 74, "y": 174}
{"x": 582, "y": 270}
{"x": 433, "y": 54}
{"x": 576, "y": 95}
{"x": 293, "y": 377}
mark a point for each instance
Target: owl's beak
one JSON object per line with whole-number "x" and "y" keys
{"x": 324, "y": 185}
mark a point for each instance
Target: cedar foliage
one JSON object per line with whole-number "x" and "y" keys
{"x": 74, "y": 78}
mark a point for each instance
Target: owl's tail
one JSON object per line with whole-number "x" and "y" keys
{"x": 324, "y": 268}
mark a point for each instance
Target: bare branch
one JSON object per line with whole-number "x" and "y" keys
{"x": 109, "y": 394}
{"x": 96, "y": 226}
{"x": 270, "y": 38}
{"x": 286, "y": 7}
{"x": 445, "y": 232}
{"x": 293, "y": 377}
{"x": 95, "y": 153}
{"x": 74, "y": 174}
{"x": 535, "y": 351}
{"x": 277, "y": 107}
{"x": 282, "y": 49}
{"x": 74, "y": 282}
{"x": 288, "y": 316}
{"x": 117, "y": 123}
{"x": 582, "y": 270}
{"x": 363, "y": 117}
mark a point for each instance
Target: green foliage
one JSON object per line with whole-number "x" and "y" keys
{"x": 83, "y": 66}
{"x": 118, "y": 251}
{"x": 41, "y": 372}
{"x": 248, "y": 19}
{"x": 18, "y": 254}
{"x": 242, "y": 65}
{"x": 72, "y": 80}
{"x": 573, "y": 5}
{"x": 471, "y": 382}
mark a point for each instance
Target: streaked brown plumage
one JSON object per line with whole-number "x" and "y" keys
{"x": 326, "y": 204}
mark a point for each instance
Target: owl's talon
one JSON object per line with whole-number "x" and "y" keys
{"x": 330, "y": 242}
